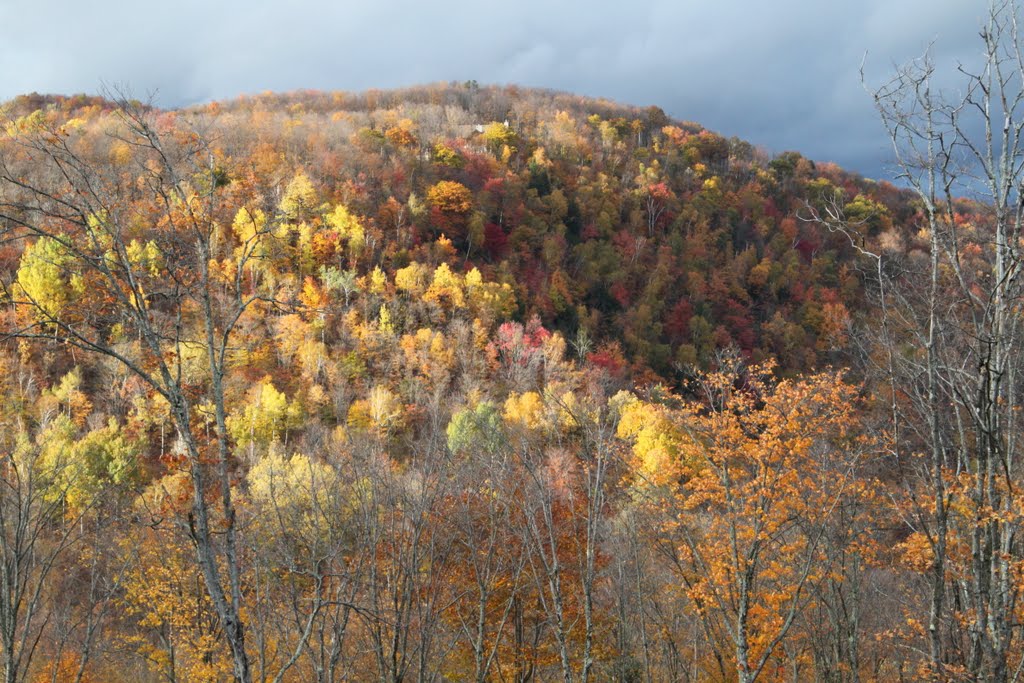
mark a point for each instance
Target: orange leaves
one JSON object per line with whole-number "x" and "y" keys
{"x": 916, "y": 553}
{"x": 313, "y": 296}
{"x": 172, "y": 631}
{"x": 120, "y": 153}
{"x": 450, "y": 197}
{"x": 751, "y": 475}
{"x": 428, "y": 354}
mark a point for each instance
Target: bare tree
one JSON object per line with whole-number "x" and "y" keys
{"x": 93, "y": 217}
{"x": 482, "y": 519}
{"x": 563, "y": 511}
{"x": 35, "y": 536}
{"x": 955, "y": 397}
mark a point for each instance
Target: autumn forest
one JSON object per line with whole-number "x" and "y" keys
{"x": 476, "y": 383}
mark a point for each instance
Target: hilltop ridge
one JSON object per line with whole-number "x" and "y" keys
{"x": 661, "y": 240}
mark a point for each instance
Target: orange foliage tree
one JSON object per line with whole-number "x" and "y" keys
{"x": 450, "y": 204}
{"x": 748, "y": 479}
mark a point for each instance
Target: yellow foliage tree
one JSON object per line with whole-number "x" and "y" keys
{"x": 428, "y": 354}
{"x": 413, "y": 279}
{"x": 299, "y": 197}
{"x": 43, "y": 277}
{"x": 349, "y": 227}
{"x": 381, "y": 412}
{"x": 525, "y": 410}
{"x": 490, "y": 301}
{"x": 267, "y": 417}
{"x": 656, "y": 439}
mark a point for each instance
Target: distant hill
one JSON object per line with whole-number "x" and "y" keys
{"x": 657, "y": 241}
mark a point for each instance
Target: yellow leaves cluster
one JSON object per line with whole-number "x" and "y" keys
{"x": 299, "y": 197}
{"x": 248, "y": 225}
{"x": 381, "y": 412}
{"x": 525, "y": 410}
{"x": 554, "y": 411}
{"x": 33, "y": 123}
{"x": 446, "y": 156}
{"x": 276, "y": 481}
{"x": 384, "y": 322}
{"x": 444, "y": 287}
{"x": 349, "y": 227}
{"x": 267, "y": 416}
{"x": 146, "y": 256}
{"x": 413, "y": 279}
{"x": 450, "y": 197}
{"x": 67, "y": 395}
{"x": 312, "y": 295}
{"x": 76, "y": 468}
{"x": 490, "y": 301}
{"x": 378, "y": 281}
{"x": 297, "y": 343}
{"x": 656, "y": 439}
{"x": 250, "y": 230}
{"x": 499, "y": 136}
{"x": 45, "y": 278}
{"x": 428, "y": 353}
{"x": 759, "y": 274}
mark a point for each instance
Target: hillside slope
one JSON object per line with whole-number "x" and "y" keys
{"x": 454, "y": 382}
{"x": 658, "y": 240}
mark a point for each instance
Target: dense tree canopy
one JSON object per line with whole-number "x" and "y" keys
{"x": 492, "y": 384}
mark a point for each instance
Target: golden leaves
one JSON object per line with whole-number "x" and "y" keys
{"x": 750, "y": 475}
{"x": 450, "y": 196}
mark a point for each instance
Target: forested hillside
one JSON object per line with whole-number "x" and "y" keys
{"x": 482, "y": 383}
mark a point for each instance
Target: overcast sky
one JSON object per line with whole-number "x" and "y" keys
{"x": 779, "y": 73}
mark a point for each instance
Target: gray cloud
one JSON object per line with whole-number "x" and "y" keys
{"x": 780, "y": 74}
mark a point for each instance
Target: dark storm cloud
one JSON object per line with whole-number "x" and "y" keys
{"x": 780, "y": 74}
